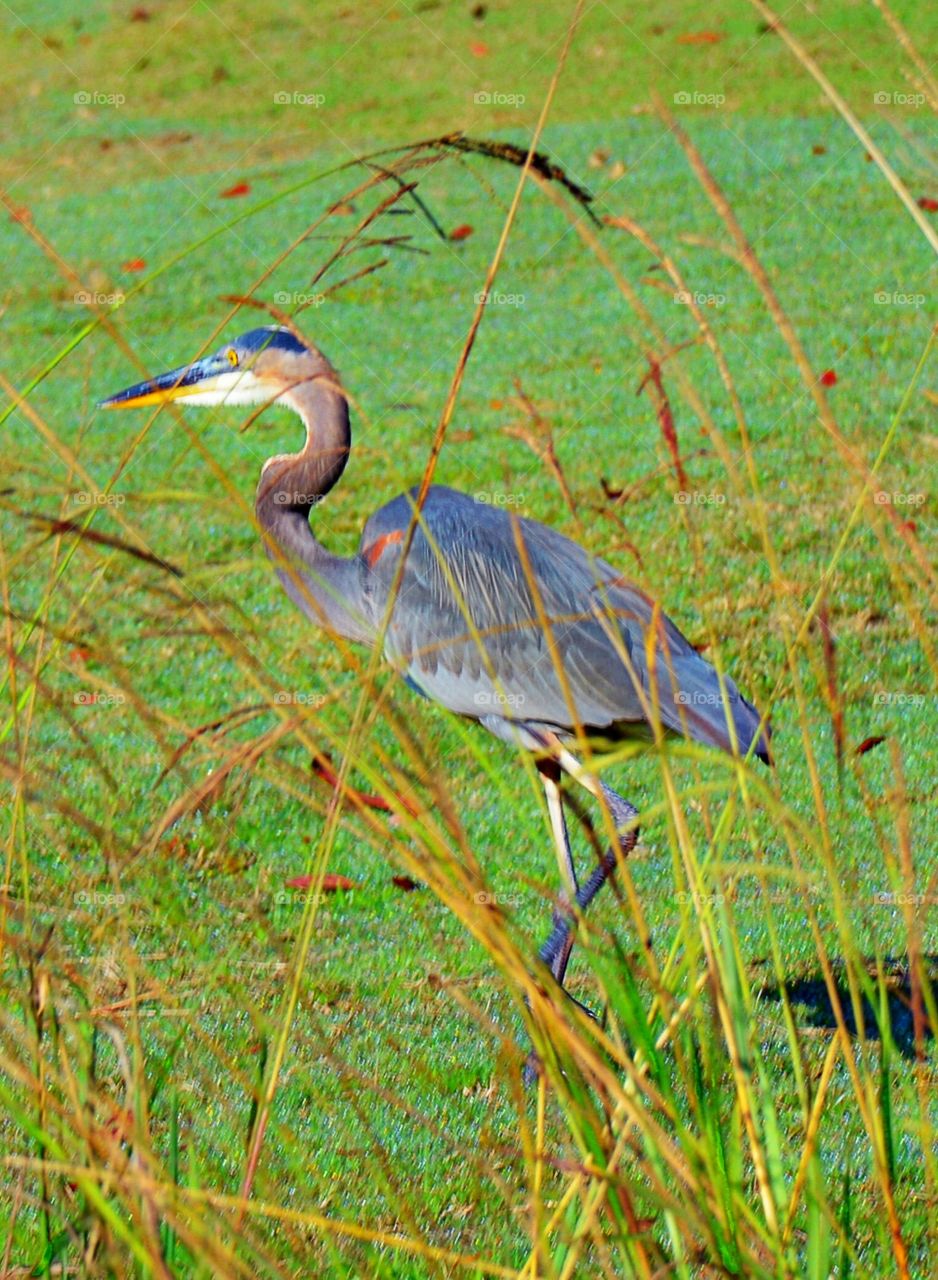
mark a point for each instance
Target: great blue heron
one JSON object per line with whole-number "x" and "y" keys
{"x": 497, "y": 617}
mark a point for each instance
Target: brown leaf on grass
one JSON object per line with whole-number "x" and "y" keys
{"x": 322, "y": 767}
{"x": 462, "y": 232}
{"x": 869, "y": 743}
{"x": 239, "y": 189}
{"x": 700, "y": 37}
{"x": 665, "y": 419}
{"x": 134, "y": 264}
{"x": 405, "y": 883}
{"x": 331, "y": 883}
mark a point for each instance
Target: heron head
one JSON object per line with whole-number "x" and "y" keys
{"x": 260, "y": 367}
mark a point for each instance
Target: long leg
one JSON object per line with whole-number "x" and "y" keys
{"x": 560, "y": 942}
{"x": 560, "y": 954}
{"x": 561, "y": 939}
{"x": 556, "y": 951}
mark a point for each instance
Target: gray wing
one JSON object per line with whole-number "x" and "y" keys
{"x": 490, "y": 605}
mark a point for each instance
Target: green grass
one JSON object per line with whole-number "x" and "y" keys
{"x": 398, "y": 1106}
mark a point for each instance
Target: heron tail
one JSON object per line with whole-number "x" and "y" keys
{"x": 703, "y": 710}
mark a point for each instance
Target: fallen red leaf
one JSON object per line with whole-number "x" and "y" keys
{"x": 331, "y": 883}
{"x": 828, "y": 378}
{"x": 868, "y": 744}
{"x": 495, "y": 404}
{"x": 405, "y": 883}
{"x": 239, "y": 189}
{"x": 462, "y": 232}
{"x": 134, "y": 264}
{"x": 928, "y": 204}
{"x": 19, "y": 213}
{"x": 700, "y": 37}
{"x": 819, "y": 149}
{"x": 79, "y": 655}
{"x": 479, "y": 49}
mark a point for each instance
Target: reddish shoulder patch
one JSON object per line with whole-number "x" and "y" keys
{"x": 373, "y": 553}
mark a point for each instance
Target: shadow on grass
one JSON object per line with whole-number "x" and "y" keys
{"x": 810, "y": 993}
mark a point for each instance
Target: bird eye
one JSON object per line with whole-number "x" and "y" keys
{"x": 232, "y": 357}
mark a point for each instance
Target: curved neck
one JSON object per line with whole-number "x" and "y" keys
{"x": 295, "y": 482}
{"x": 326, "y": 587}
